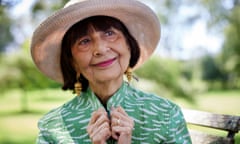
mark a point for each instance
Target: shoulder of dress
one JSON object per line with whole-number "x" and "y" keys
{"x": 55, "y": 115}
{"x": 50, "y": 116}
{"x": 154, "y": 99}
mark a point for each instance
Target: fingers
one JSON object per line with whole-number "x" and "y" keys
{"x": 120, "y": 126}
{"x": 97, "y": 114}
{"x": 121, "y": 123}
{"x": 99, "y": 126}
{"x": 120, "y": 117}
{"x": 101, "y": 133}
{"x": 118, "y": 131}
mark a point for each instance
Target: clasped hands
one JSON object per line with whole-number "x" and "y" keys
{"x": 119, "y": 126}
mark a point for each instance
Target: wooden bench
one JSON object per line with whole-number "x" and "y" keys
{"x": 228, "y": 123}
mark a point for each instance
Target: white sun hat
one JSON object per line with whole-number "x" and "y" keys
{"x": 140, "y": 20}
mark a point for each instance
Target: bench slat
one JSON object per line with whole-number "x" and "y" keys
{"x": 203, "y": 138}
{"x": 217, "y": 121}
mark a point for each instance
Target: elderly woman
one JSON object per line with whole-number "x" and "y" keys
{"x": 88, "y": 46}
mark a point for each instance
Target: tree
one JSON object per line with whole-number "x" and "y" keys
{"x": 168, "y": 75}
{"x": 225, "y": 17}
{"x": 212, "y": 72}
{"x": 5, "y": 26}
{"x": 18, "y": 72}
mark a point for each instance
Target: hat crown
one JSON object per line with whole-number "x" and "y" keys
{"x": 71, "y": 2}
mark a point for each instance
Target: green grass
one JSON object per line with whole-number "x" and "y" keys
{"x": 18, "y": 127}
{"x": 226, "y": 102}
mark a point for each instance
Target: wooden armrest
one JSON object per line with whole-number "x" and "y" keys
{"x": 217, "y": 121}
{"x": 227, "y": 123}
{"x": 203, "y": 138}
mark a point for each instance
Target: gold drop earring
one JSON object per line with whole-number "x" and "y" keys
{"x": 129, "y": 74}
{"x": 77, "y": 87}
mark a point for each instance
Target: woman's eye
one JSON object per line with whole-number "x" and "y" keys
{"x": 110, "y": 35}
{"x": 83, "y": 42}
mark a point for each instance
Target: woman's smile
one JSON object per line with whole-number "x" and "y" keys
{"x": 105, "y": 63}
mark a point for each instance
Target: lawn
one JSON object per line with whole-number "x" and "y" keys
{"x": 17, "y": 127}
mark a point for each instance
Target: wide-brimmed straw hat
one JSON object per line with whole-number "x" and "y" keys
{"x": 140, "y": 20}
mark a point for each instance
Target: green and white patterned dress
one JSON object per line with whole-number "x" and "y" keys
{"x": 156, "y": 120}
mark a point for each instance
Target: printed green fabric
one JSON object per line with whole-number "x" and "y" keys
{"x": 156, "y": 120}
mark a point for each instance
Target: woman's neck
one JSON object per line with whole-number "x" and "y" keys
{"x": 104, "y": 90}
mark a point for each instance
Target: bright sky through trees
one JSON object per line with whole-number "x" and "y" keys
{"x": 192, "y": 40}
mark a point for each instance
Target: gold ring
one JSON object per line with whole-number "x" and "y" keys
{"x": 118, "y": 121}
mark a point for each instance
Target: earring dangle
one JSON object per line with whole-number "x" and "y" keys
{"x": 129, "y": 74}
{"x": 77, "y": 87}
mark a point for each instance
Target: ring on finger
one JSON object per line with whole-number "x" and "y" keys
{"x": 118, "y": 121}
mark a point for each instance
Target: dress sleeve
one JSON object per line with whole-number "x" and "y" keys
{"x": 178, "y": 132}
{"x": 41, "y": 139}
{"x": 43, "y": 136}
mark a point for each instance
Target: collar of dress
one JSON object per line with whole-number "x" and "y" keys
{"x": 113, "y": 101}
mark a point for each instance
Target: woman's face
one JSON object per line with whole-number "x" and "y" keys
{"x": 101, "y": 56}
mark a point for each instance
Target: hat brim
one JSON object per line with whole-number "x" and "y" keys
{"x": 140, "y": 20}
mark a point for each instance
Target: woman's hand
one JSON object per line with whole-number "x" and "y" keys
{"x": 121, "y": 125}
{"x": 99, "y": 127}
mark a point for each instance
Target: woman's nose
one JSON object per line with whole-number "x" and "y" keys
{"x": 100, "y": 47}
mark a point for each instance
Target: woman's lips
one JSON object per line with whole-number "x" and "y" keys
{"x": 105, "y": 63}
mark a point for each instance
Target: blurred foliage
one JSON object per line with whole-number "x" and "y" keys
{"x": 213, "y": 73}
{"x": 45, "y": 4}
{"x": 46, "y": 7}
{"x": 18, "y": 71}
{"x": 5, "y": 34}
{"x": 8, "y": 3}
{"x": 225, "y": 16}
{"x": 178, "y": 77}
{"x": 168, "y": 74}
